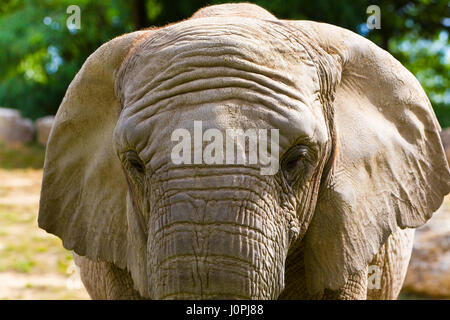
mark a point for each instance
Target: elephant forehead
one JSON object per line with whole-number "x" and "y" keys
{"x": 217, "y": 53}
{"x": 222, "y": 68}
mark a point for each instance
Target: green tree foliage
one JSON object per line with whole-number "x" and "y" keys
{"x": 40, "y": 55}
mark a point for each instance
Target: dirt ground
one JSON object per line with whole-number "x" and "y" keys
{"x": 33, "y": 263}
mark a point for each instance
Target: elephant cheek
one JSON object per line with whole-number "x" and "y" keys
{"x": 200, "y": 248}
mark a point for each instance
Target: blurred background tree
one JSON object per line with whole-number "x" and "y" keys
{"x": 40, "y": 55}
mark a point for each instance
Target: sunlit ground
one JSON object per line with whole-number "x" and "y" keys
{"x": 33, "y": 264}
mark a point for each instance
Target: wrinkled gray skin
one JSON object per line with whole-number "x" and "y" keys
{"x": 371, "y": 165}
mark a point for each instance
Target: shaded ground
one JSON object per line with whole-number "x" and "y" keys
{"x": 33, "y": 264}
{"x": 22, "y": 156}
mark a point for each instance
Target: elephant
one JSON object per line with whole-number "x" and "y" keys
{"x": 360, "y": 163}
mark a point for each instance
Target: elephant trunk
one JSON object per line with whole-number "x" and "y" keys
{"x": 206, "y": 244}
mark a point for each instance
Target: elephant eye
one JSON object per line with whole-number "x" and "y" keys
{"x": 135, "y": 162}
{"x": 292, "y": 161}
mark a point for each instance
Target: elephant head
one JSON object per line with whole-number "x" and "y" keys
{"x": 359, "y": 155}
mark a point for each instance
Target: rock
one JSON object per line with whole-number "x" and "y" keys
{"x": 429, "y": 268}
{"x": 14, "y": 129}
{"x": 445, "y": 137}
{"x": 43, "y": 126}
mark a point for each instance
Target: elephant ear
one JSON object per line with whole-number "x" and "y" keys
{"x": 388, "y": 170}
{"x": 84, "y": 192}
